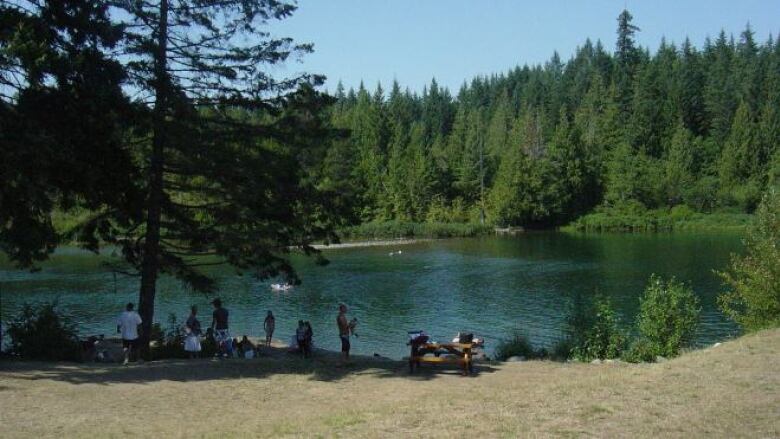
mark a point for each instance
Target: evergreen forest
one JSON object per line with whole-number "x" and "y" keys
{"x": 685, "y": 128}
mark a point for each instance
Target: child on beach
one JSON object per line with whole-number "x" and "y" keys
{"x": 192, "y": 329}
{"x": 353, "y": 326}
{"x": 247, "y": 348}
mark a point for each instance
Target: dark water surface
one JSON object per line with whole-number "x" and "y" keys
{"x": 490, "y": 286}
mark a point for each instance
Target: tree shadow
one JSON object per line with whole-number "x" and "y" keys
{"x": 323, "y": 366}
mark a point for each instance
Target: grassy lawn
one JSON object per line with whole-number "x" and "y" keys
{"x": 732, "y": 390}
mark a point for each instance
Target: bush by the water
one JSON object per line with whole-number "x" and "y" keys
{"x": 753, "y": 300}
{"x": 561, "y": 350}
{"x": 640, "y": 351}
{"x": 634, "y": 217}
{"x": 168, "y": 343}
{"x": 517, "y": 345}
{"x": 43, "y": 332}
{"x": 594, "y": 330}
{"x": 668, "y": 315}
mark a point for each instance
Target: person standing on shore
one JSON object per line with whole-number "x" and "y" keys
{"x": 308, "y": 335}
{"x": 269, "y": 325}
{"x": 219, "y": 323}
{"x": 344, "y": 330}
{"x": 127, "y": 325}
{"x": 300, "y": 338}
{"x": 192, "y": 342}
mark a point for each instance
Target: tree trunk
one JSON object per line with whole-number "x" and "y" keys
{"x": 150, "y": 265}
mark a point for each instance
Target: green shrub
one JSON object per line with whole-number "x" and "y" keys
{"x": 44, "y": 333}
{"x": 440, "y": 211}
{"x": 680, "y": 217}
{"x": 668, "y": 315}
{"x": 168, "y": 343}
{"x": 595, "y": 331}
{"x": 681, "y": 212}
{"x": 516, "y": 346}
{"x": 753, "y": 300}
{"x": 703, "y": 194}
{"x": 641, "y": 350}
{"x": 562, "y": 349}
{"x": 628, "y": 216}
{"x": 747, "y": 196}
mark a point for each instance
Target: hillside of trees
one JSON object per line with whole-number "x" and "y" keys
{"x": 542, "y": 145}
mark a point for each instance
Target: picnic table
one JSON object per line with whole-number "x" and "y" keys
{"x": 454, "y": 353}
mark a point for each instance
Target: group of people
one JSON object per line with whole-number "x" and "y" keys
{"x": 219, "y": 332}
{"x": 129, "y": 320}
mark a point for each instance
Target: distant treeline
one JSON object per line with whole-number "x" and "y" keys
{"x": 540, "y": 146}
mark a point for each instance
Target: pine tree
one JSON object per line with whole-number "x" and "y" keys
{"x": 691, "y": 81}
{"x": 468, "y": 168}
{"x": 63, "y": 119}
{"x": 739, "y": 160}
{"x": 396, "y": 204}
{"x": 646, "y": 123}
{"x": 720, "y": 94}
{"x": 497, "y": 135}
{"x": 230, "y": 146}
{"x": 627, "y": 58}
{"x": 512, "y": 197}
{"x": 678, "y": 165}
{"x": 748, "y": 71}
{"x": 367, "y": 133}
{"x": 623, "y": 175}
{"x": 419, "y": 182}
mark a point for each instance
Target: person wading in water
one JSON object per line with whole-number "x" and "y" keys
{"x": 269, "y": 325}
{"x": 344, "y": 330}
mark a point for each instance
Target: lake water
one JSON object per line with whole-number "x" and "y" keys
{"x": 489, "y": 286}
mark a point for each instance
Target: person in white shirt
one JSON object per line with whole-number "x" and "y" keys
{"x": 127, "y": 325}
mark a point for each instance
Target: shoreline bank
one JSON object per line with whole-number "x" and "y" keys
{"x": 369, "y": 243}
{"x": 287, "y": 396}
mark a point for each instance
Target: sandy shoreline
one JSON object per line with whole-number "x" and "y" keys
{"x": 277, "y": 349}
{"x": 377, "y": 243}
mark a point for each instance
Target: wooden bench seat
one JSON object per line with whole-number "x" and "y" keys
{"x": 439, "y": 360}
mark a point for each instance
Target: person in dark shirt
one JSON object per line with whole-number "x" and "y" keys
{"x": 219, "y": 323}
{"x": 308, "y": 334}
{"x": 300, "y": 338}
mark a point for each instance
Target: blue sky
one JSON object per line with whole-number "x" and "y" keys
{"x": 454, "y": 40}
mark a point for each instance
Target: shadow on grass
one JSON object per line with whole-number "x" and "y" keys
{"x": 324, "y": 366}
